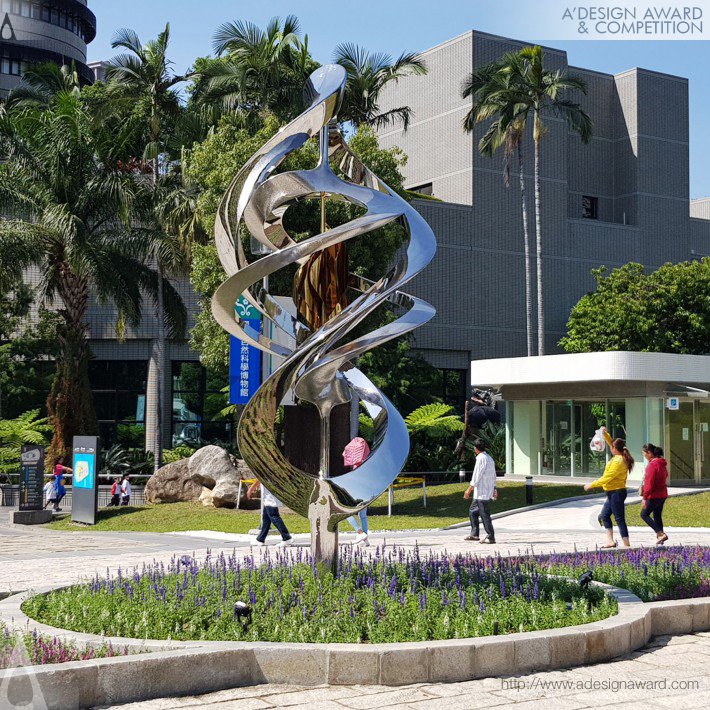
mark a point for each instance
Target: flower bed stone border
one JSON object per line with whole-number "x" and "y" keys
{"x": 195, "y": 667}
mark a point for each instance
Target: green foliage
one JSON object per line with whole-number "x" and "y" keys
{"x": 493, "y": 435}
{"x": 667, "y": 311}
{"x": 28, "y": 428}
{"x": 119, "y": 460}
{"x": 435, "y": 420}
{"x": 402, "y": 375}
{"x": 25, "y": 348}
{"x": 178, "y": 453}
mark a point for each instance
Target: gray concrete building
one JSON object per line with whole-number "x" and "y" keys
{"x": 623, "y": 197}
{"x": 38, "y": 31}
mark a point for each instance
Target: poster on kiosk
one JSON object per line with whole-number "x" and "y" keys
{"x": 85, "y": 481}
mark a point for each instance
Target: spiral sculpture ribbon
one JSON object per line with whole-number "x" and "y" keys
{"x": 318, "y": 365}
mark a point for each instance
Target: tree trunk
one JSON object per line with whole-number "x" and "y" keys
{"x": 70, "y": 406}
{"x": 155, "y": 396}
{"x": 156, "y": 380}
{"x": 526, "y": 239}
{"x": 538, "y": 252}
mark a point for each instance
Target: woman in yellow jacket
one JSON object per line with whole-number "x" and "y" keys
{"x": 613, "y": 481}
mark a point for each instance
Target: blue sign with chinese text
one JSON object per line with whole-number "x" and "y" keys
{"x": 244, "y": 360}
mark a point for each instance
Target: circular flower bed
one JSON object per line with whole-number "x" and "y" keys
{"x": 392, "y": 597}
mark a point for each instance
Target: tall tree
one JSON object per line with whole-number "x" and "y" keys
{"x": 368, "y": 74}
{"x": 540, "y": 92}
{"x": 494, "y": 96}
{"x": 144, "y": 74}
{"x": 666, "y": 311}
{"x": 69, "y": 218}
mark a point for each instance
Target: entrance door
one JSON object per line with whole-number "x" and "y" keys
{"x": 688, "y": 440}
{"x": 702, "y": 443}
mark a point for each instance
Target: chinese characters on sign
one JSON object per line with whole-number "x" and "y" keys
{"x": 244, "y": 360}
{"x": 32, "y": 478}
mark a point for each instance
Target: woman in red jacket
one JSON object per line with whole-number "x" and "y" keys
{"x": 655, "y": 490}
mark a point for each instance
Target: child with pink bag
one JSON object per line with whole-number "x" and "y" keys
{"x": 354, "y": 454}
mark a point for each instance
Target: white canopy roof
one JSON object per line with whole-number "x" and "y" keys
{"x": 592, "y": 367}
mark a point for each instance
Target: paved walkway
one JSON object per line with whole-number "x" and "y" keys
{"x": 672, "y": 672}
{"x": 36, "y": 556}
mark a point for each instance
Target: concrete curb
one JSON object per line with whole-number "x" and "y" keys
{"x": 193, "y": 668}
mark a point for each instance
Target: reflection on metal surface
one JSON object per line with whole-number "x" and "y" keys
{"x": 317, "y": 366}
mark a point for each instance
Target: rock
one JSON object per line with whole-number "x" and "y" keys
{"x": 219, "y": 472}
{"x": 210, "y": 476}
{"x": 173, "y": 483}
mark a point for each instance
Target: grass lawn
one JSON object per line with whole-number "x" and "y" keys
{"x": 445, "y": 506}
{"x": 679, "y": 511}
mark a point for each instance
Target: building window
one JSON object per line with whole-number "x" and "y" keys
{"x": 425, "y": 189}
{"x": 590, "y": 207}
{"x": 45, "y": 12}
{"x": 119, "y": 388}
{"x": 198, "y": 399}
{"x": 453, "y": 389}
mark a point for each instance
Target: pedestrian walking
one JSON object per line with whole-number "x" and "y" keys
{"x": 60, "y": 470}
{"x": 613, "y": 482}
{"x": 115, "y": 493}
{"x": 48, "y": 492}
{"x": 483, "y": 488}
{"x": 270, "y": 505}
{"x": 125, "y": 490}
{"x": 655, "y": 491}
{"x": 354, "y": 455}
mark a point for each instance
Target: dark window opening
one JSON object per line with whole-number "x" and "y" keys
{"x": 118, "y": 388}
{"x": 197, "y": 402}
{"x": 590, "y": 207}
{"x": 425, "y": 189}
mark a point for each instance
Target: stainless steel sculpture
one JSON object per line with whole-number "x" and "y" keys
{"x": 318, "y": 365}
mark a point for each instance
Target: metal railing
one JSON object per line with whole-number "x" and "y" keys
{"x": 10, "y": 496}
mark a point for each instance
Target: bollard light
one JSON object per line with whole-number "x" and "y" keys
{"x": 242, "y": 612}
{"x": 528, "y": 490}
{"x": 462, "y": 475}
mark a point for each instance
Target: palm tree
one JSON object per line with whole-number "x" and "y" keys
{"x": 42, "y": 82}
{"x": 69, "y": 218}
{"x": 494, "y": 95}
{"x": 539, "y": 91}
{"x": 258, "y": 69}
{"x": 368, "y": 74}
{"x": 144, "y": 75}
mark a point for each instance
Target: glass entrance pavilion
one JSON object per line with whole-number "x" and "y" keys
{"x": 555, "y": 403}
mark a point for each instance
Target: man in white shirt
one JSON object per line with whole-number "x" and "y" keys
{"x": 483, "y": 487}
{"x": 125, "y": 490}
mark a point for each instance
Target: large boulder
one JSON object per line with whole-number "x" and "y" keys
{"x": 210, "y": 475}
{"x": 219, "y": 473}
{"x": 173, "y": 483}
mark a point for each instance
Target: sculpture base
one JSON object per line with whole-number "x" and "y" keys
{"x": 324, "y": 542}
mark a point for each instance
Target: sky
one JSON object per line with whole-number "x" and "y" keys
{"x": 396, "y": 26}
